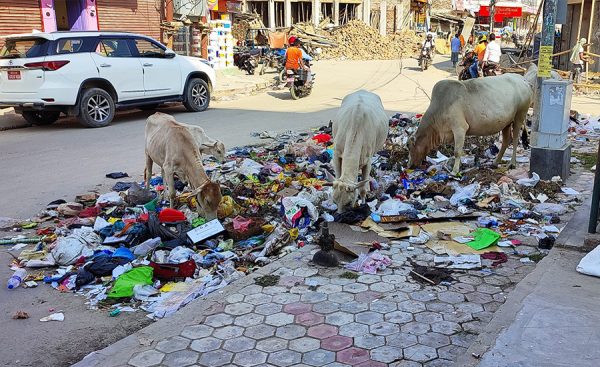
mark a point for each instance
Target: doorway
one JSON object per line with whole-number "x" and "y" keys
{"x": 70, "y": 15}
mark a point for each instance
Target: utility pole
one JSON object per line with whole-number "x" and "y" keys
{"x": 492, "y": 14}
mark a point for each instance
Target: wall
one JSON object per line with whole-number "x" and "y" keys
{"x": 139, "y": 16}
{"x": 19, "y": 16}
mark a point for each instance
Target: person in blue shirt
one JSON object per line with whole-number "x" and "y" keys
{"x": 455, "y": 48}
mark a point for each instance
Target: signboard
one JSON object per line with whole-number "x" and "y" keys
{"x": 501, "y": 12}
{"x": 234, "y": 7}
{"x": 213, "y": 5}
{"x": 545, "y": 61}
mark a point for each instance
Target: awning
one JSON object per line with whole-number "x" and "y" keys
{"x": 501, "y": 12}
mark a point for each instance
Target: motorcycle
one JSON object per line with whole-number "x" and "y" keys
{"x": 273, "y": 59}
{"x": 299, "y": 83}
{"x": 425, "y": 58}
{"x": 247, "y": 60}
{"x": 490, "y": 69}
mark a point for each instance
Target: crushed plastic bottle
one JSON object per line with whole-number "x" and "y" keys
{"x": 17, "y": 278}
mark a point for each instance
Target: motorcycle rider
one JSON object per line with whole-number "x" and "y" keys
{"x": 480, "y": 53}
{"x": 492, "y": 52}
{"x": 428, "y": 45}
{"x": 294, "y": 57}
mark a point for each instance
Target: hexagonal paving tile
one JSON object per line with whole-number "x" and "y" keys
{"x": 406, "y": 363}
{"x": 206, "y": 344}
{"x": 367, "y": 296}
{"x": 369, "y": 279}
{"x": 384, "y": 328}
{"x": 219, "y": 320}
{"x": 434, "y": 340}
{"x": 326, "y": 307}
{"x": 371, "y": 364}
{"x": 330, "y": 288}
{"x": 463, "y": 287}
{"x": 313, "y": 297}
{"x": 305, "y": 272}
{"x": 382, "y": 287}
{"x": 496, "y": 280}
{"x": 439, "y": 363}
{"x": 368, "y": 317}
{"x": 341, "y": 297}
{"x": 339, "y": 318}
{"x": 251, "y": 289}
{"x": 451, "y": 297}
{"x": 475, "y": 327}
{"x": 285, "y": 358}
{"x": 285, "y": 298}
{"x": 393, "y": 279}
{"x": 196, "y": 331}
{"x": 250, "y": 358}
{"x": 354, "y": 329}
{"x": 290, "y": 332}
{"x": 401, "y": 340}
{"x": 234, "y": 298}
{"x": 336, "y": 343}
{"x": 396, "y": 297}
{"x": 322, "y": 331}
{"x": 272, "y": 345}
{"x": 268, "y": 308}
{"x": 411, "y": 306}
{"x": 181, "y": 358}
{"x": 228, "y": 332}
{"x": 450, "y": 352}
{"x": 172, "y": 344}
{"x": 309, "y": 319}
{"x": 468, "y": 307}
{"x": 297, "y": 308}
{"x": 258, "y": 299}
{"x": 369, "y": 341}
{"x": 353, "y": 307}
{"x": 463, "y": 339}
{"x": 458, "y": 316}
{"x": 147, "y": 358}
{"x": 420, "y": 353}
{"x": 477, "y": 297}
{"x": 428, "y": 317}
{"x": 259, "y": 331}
{"x": 237, "y": 309}
{"x": 398, "y": 317}
{"x": 353, "y": 356}
{"x": 273, "y": 290}
{"x": 424, "y": 295}
{"x": 484, "y": 316}
{"x": 216, "y": 358}
{"x": 279, "y": 319}
{"x": 386, "y": 354}
{"x": 304, "y": 344}
{"x": 290, "y": 281}
{"x": 470, "y": 279}
{"x": 383, "y": 307}
{"x": 250, "y": 319}
{"x": 415, "y": 328}
{"x": 355, "y": 288}
{"x": 239, "y": 344}
{"x": 441, "y": 307}
{"x": 445, "y": 327}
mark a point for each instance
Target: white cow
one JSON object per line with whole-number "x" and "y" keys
{"x": 359, "y": 131}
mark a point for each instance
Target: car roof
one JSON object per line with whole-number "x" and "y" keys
{"x": 70, "y": 34}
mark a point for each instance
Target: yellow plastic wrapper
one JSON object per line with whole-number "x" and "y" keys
{"x": 294, "y": 233}
{"x": 227, "y": 207}
{"x": 268, "y": 228}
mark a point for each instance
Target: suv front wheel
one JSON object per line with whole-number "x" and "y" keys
{"x": 96, "y": 108}
{"x": 41, "y": 118}
{"x": 197, "y": 95}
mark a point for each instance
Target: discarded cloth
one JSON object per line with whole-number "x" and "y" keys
{"x": 124, "y": 284}
{"x": 369, "y": 263}
{"x": 483, "y": 238}
{"x": 80, "y": 243}
{"x": 354, "y": 215}
{"x": 116, "y": 175}
{"x": 122, "y": 186}
{"x": 496, "y": 257}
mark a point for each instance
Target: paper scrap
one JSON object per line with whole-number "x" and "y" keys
{"x": 59, "y": 316}
{"x": 458, "y": 262}
{"x": 570, "y": 191}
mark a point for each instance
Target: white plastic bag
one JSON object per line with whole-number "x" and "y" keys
{"x": 550, "y": 209}
{"x": 110, "y": 198}
{"x": 529, "y": 182}
{"x": 250, "y": 167}
{"x": 462, "y": 193}
{"x": 393, "y": 207}
{"x": 145, "y": 247}
{"x": 590, "y": 264}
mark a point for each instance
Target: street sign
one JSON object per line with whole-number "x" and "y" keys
{"x": 545, "y": 61}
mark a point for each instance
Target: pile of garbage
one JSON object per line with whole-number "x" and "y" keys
{"x": 358, "y": 41}
{"x": 127, "y": 249}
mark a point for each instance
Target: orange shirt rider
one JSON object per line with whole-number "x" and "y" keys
{"x": 293, "y": 55}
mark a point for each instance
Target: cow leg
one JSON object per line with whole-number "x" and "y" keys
{"x": 366, "y": 174}
{"x": 516, "y": 131}
{"x": 505, "y": 139}
{"x": 337, "y": 166}
{"x": 459, "y": 143}
{"x": 148, "y": 171}
{"x": 169, "y": 180}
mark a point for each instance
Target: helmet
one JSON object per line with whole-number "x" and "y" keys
{"x": 483, "y": 38}
{"x": 429, "y": 36}
{"x": 291, "y": 40}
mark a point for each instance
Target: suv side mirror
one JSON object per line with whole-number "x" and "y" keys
{"x": 169, "y": 54}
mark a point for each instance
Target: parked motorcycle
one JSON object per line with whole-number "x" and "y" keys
{"x": 247, "y": 60}
{"x": 425, "y": 58}
{"x": 300, "y": 82}
{"x": 273, "y": 59}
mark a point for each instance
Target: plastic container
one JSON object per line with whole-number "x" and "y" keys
{"x": 17, "y": 278}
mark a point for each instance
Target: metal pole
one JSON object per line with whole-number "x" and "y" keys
{"x": 595, "y": 198}
{"x": 589, "y": 39}
{"x": 492, "y": 14}
{"x": 580, "y": 19}
{"x": 544, "y": 62}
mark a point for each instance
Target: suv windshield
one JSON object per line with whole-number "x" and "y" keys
{"x": 17, "y": 48}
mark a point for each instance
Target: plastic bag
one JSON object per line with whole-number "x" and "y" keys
{"x": 143, "y": 291}
{"x": 393, "y": 207}
{"x": 124, "y": 285}
{"x": 463, "y": 193}
{"x": 249, "y": 167}
{"x": 110, "y": 198}
{"x": 590, "y": 264}
{"x": 293, "y": 211}
{"x": 529, "y": 182}
{"x": 80, "y": 243}
{"x": 550, "y": 209}
{"x": 180, "y": 255}
{"x": 146, "y": 247}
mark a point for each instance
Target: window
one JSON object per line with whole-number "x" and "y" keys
{"x": 24, "y": 47}
{"x": 146, "y": 48}
{"x": 114, "y": 48}
{"x": 69, "y": 45}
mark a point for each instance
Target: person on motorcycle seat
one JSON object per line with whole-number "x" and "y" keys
{"x": 294, "y": 59}
{"x": 492, "y": 52}
{"x": 429, "y": 44}
{"x": 480, "y": 53}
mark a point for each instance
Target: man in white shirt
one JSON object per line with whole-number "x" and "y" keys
{"x": 578, "y": 60}
{"x": 492, "y": 51}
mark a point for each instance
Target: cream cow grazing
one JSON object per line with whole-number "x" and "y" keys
{"x": 170, "y": 145}
{"x": 475, "y": 107}
{"x": 359, "y": 131}
{"x": 207, "y": 145}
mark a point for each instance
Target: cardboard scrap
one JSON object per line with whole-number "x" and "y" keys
{"x": 453, "y": 248}
{"x": 351, "y": 241}
{"x": 390, "y": 231}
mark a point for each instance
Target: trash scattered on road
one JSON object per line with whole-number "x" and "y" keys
{"x": 59, "y": 316}
{"x": 20, "y": 315}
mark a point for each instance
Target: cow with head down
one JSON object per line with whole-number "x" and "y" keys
{"x": 171, "y": 145}
{"x": 359, "y": 131}
{"x": 475, "y": 107}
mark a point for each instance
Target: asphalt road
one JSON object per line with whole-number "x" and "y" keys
{"x": 42, "y": 164}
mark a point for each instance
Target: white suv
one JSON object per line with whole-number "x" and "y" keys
{"x": 91, "y": 74}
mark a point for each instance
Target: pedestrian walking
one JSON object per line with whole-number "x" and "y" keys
{"x": 455, "y": 47}
{"x": 578, "y": 60}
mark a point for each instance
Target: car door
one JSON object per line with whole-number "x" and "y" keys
{"x": 162, "y": 75}
{"x": 116, "y": 62}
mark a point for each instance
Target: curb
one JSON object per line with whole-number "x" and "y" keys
{"x": 12, "y": 125}
{"x": 258, "y": 87}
